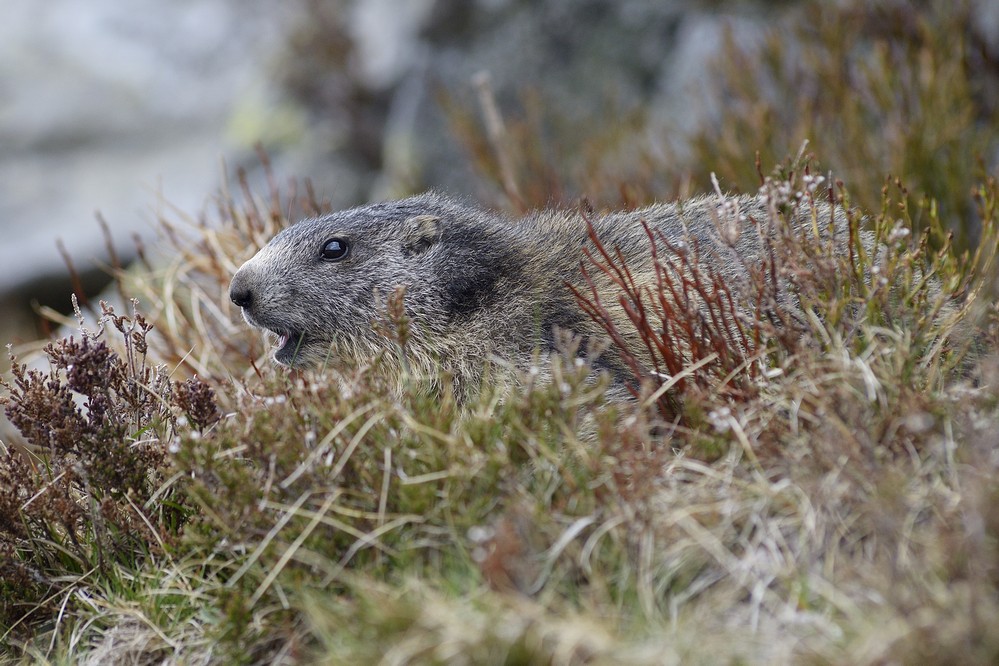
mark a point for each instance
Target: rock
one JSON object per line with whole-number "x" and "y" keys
{"x": 109, "y": 106}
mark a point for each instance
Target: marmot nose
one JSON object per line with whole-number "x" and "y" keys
{"x": 241, "y": 296}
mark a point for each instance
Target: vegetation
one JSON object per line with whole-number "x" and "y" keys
{"x": 815, "y": 483}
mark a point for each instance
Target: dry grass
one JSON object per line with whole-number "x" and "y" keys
{"x": 830, "y": 502}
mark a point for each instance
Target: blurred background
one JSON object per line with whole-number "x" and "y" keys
{"x": 142, "y": 110}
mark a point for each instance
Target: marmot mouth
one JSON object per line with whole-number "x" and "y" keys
{"x": 289, "y": 343}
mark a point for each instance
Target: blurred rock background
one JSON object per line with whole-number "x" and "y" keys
{"x": 131, "y": 109}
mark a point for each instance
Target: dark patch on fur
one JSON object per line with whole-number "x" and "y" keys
{"x": 475, "y": 264}
{"x": 466, "y": 294}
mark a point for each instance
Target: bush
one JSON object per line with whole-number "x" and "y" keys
{"x": 86, "y": 496}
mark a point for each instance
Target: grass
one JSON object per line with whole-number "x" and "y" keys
{"x": 816, "y": 486}
{"x": 830, "y": 503}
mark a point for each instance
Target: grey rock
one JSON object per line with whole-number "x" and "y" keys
{"x": 110, "y": 105}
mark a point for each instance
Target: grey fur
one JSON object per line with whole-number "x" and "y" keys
{"x": 478, "y": 284}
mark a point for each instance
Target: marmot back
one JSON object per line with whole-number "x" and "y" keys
{"x": 477, "y": 284}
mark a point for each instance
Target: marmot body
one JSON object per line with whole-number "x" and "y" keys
{"x": 477, "y": 284}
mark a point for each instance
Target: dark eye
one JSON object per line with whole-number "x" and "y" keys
{"x": 335, "y": 249}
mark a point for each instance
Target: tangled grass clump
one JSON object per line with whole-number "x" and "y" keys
{"x": 85, "y": 495}
{"x": 851, "y": 289}
{"x": 811, "y": 461}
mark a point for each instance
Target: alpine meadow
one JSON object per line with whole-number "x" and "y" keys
{"x": 807, "y": 480}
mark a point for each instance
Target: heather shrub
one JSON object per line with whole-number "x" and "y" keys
{"x": 85, "y": 495}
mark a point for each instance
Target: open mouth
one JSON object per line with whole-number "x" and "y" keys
{"x": 288, "y": 345}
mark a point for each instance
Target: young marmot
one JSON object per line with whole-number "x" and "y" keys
{"x": 478, "y": 285}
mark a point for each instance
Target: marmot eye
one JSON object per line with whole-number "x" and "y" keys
{"x": 335, "y": 249}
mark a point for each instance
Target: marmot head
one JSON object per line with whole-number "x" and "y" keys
{"x": 319, "y": 284}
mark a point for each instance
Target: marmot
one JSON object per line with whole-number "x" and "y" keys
{"x": 477, "y": 284}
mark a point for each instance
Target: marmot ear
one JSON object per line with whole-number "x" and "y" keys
{"x": 420, "y": 233}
